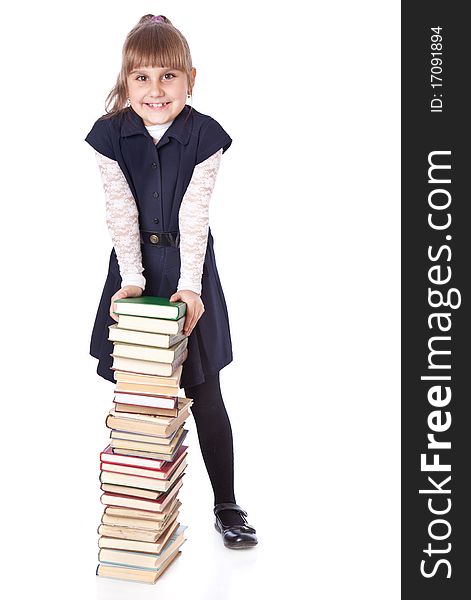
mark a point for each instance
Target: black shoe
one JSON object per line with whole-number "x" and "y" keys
{"x": 235, "y": 536}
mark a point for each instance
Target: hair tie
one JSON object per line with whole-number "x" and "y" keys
{"x": 158, "y": 18}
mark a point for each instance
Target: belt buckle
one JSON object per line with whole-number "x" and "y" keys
{"x": 154, "y": 239}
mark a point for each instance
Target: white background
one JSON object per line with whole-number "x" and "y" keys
{"x": 305, "y": 218}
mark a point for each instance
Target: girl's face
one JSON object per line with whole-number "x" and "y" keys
{"x": 149, "y": 87}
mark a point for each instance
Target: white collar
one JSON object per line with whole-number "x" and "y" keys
{"x": 159, "y": 127}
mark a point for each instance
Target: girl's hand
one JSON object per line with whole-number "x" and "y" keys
{"x": 194, "y": 308}
{"x": 128, "y": 291}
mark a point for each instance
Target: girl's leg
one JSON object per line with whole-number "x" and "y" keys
{"x": 215, "y": 438}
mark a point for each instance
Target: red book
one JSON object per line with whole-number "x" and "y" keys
{"x": 108, "y": 456}
{"x": 164, "y": 473}
{"x": 155, "y": 505}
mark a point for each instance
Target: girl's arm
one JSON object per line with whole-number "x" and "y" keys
{"x": 122, "y": 218}
{"x": 193, "y": 222}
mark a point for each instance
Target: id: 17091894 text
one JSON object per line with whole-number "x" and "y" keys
{"x": 436, "y": 69}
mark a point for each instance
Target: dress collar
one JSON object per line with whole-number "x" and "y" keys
{"x": 132, "y": 124}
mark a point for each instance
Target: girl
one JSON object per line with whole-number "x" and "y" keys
{"x": 158, "y": 158}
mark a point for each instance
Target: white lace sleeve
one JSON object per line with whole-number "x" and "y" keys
{"x": 193, "y": 222}
{"x": 122, "y": 218}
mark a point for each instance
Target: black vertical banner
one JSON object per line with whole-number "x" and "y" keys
{"x": 436, "y": 273}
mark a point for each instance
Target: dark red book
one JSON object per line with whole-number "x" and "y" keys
{"x": 163, "y": 473}
{"x": 108, "y": 456}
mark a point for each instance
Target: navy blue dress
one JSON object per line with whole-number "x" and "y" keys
{"x": 158, "y": 175}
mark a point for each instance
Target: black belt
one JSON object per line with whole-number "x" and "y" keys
{"x": 161, "y": 238}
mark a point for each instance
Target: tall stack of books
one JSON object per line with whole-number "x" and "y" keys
{"x": 142, "y": 468}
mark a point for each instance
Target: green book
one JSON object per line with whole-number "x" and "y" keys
{"x": 150, "y": 306}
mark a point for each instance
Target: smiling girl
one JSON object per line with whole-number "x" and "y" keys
{"x": 158, "y": 158}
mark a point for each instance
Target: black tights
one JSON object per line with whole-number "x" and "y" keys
{"x": 215, "y": 438}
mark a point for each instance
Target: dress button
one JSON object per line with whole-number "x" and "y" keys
{"x": 154, "y": 238}
{"x": 154, "y": 165}
{"x": 156, "y": 220}
{"x": 156, "y": 194}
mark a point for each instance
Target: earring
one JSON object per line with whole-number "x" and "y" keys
{"x": 128, "y": 103}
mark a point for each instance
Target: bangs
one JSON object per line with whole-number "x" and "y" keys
{"x": 156, "y": 47}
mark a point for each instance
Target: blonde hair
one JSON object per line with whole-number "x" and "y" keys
{"x": 155, "y": 42}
